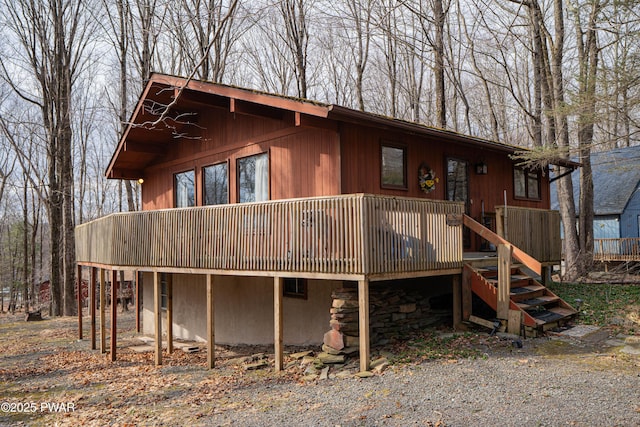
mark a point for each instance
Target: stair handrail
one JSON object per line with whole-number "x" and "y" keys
{"x": 529, "y": 261}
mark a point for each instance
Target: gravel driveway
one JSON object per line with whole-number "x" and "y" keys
{"x": 582, "y": 390}
{"x": 552, "y": 381}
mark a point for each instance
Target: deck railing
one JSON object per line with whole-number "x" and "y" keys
{"x": 624, "y": 249}
{"x": 535, "y": 231}
{"x": 351, "y": 234}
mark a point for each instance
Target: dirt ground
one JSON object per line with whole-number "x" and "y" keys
{"x": 49, "y": 377}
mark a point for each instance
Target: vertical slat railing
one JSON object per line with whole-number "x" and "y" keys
{"x": 350, "y": 234}
{"x": 535, "y": 231}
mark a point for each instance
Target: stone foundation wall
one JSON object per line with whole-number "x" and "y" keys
{"x": 392, "y": 311}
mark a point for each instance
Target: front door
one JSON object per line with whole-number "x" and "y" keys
{"x": 458, "y": 188}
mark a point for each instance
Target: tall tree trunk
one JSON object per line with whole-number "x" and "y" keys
{"x": 573, "y": 269}
{"x": 438, "y": 68}
{"x": 25, "y": 245}
{"x": 588, "y": 51}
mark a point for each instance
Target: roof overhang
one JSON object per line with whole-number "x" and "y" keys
{"x": 168, "y": 110}
{"x": 169, "y": 107}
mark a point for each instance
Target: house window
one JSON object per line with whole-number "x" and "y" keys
{"x": 184, "y": 185}
{"x": 295, "y": 288}
{"x": 215, "y": 185}
{"x": 253, "y": 178}
{"x": 394, "y": 166}
{"x": 526, "y": 184}
{"x": 457, "y": 181}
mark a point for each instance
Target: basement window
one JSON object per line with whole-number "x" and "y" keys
{"x": 526, "y": 184}
{"x": 163, "y": 291}
{"x": 294, "y": 288}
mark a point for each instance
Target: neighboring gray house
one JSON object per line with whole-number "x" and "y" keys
{"x": 616, "y": 185}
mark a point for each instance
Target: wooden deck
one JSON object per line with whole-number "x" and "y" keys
{"x": 617, "y": 250}
{"x": 358, "y": 237}
{"x": 345, "y": 237}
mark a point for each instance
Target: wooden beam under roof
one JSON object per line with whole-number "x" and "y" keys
{"x": 251, "y": 109}
{"x": 143, "y": 147}
{"x": 125, "y": 174}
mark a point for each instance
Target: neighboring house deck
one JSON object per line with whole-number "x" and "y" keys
{"x": 616, "y": 204}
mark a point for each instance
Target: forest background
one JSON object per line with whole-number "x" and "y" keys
{"x": 561, "y": 77}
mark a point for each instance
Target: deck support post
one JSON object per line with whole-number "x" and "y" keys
{"x": 169, "y": 313}
{"x": 103, "y": 303}
{"x": 504, "y": 281}
{"x": 457, "y": 301}
{"x": 79, "y": 292}
{"x": 92, "y": 305}
{"x": 277, "y": 322}
{"x": 546, "y": 275}
{"x": 363, "y": 317}
{"x": 114, "y": 311}
{"x": 158, "y": 316}
{"x": 211, "y": 330}
{"x": 467, "y": 294}
{"x": 138, "y": 294}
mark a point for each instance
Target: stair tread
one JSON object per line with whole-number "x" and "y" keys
{"x": 526, "y": 289}
{"x": 551, "y": 315}
{"x": 514, "y": 279}
{"x": 537, "y": 301}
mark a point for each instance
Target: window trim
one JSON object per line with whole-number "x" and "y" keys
{"x": 175, "y": 188}
{"x": 204, "y": 183}
{"x": 299, "y": 281}
{"x": 238, "y": 159}
{"x": 526, "y": 184}
{"x": 403, "y": 147}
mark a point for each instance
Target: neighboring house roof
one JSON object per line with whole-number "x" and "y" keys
{"x": 185, "y": 96}
{"x": 616, "y": 176}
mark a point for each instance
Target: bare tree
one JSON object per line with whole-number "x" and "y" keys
{"x": 206, "y": 32}
{"x": 295, "y": 15}
{"x": 52, "y": 38}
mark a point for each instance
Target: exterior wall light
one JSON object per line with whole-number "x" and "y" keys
{"x": 481, "y": 168}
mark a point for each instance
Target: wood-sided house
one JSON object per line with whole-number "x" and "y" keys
{"x": 256, "y": 207}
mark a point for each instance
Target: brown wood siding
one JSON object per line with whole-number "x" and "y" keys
{"x": 360, "y": 167}
{"x": 303, "y": 161}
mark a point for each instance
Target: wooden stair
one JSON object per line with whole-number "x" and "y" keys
{"x": 541, "y": 309}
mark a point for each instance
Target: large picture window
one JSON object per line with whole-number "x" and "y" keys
{"x": 215, "y": 185}
{"x": 253, "y": 178}
{"x": 184, "y": 187}
{"x": 526, "y": 184}
{"x": 394, "y": 166}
